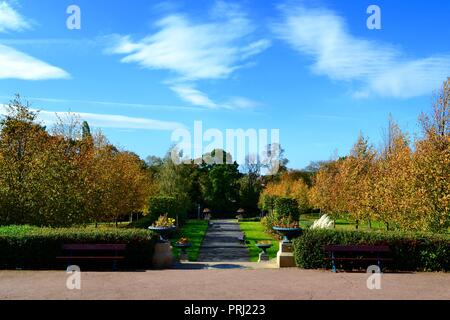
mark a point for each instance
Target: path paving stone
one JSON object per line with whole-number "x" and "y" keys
{"x": 221, "y": 243}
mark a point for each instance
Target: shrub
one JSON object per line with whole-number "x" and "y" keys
{"x": 287, "y": 207}
{"x": 37, "y": 248}
{"x": 411, "y": 251}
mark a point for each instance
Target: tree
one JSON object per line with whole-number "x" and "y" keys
{"x": 220, "y": 186}
{"x": 394, "y": 193}
{"x": 21, "y": 138}
{"x": 288, "y": 187}
{"x": 432, "y": 163}
{"x": 355, "y": 173}
{"x": 326, "y": 193}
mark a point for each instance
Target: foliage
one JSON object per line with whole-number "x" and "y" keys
{"x": 166, "y": 205}
{"x": 287, "y": 186}
{"x": 37, "y": 248}
{"x": 65, "y": 176}
{"x": 410, "y": 251}
{"x": 286, "y": 208}
{"x": 183, "y": 240}
{"x": 268, "y": 222}
{"x": 220, "y": 187}
{"x": 286, "y": 222}
{"x": 249, "y": 192}
{"x": 164, "y": 221}
{"x": 406, "y": 187}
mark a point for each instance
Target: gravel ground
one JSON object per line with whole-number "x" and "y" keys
{"x": 245, "y": 284}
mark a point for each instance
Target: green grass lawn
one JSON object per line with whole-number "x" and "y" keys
{"x": 195, "y": 230}
{"x": 254, "y": 232}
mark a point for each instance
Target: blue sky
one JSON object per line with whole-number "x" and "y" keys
{"x": 139, "y": 69}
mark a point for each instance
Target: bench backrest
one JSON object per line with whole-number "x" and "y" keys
{"x": 94, "y": 247}
{"x": 356, "y": 248}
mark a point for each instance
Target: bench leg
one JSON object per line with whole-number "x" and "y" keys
{"x": 115, "y": 265}
{"x": 333, "y": 262}
{"x": 380, "y": 265}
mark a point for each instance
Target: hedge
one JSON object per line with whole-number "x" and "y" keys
{"x": 410, "y": 251}
{"x": 29, "y": 247}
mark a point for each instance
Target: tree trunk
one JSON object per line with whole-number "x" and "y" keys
{"x": 357, "y": 224}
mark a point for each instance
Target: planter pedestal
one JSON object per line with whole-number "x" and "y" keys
{"x": 183, "y": 257}
{"x": 263, "y": 257}
{"x": 162, "y": 256}
{"x": 285, "y": 257}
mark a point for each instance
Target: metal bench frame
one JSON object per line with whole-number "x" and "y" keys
{"x": 375, "y": 251}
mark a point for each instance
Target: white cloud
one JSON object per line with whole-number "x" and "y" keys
{"x": 15, "y": 64}
{"x": 194, "y": 96}
{"x": 382, "y": 69}
{"x": 11, "y": 20}
{"x": 106, "y": 120}
{"x": 242, "y": 103}
{"x": 193, "y": 50}
{"x": 117, "y": 121}
{"x": 201, "y": 99}
{"x": 18, "y": 65}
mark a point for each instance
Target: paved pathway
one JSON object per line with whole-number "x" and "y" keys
{"x": 234, "y": 284}
{"x": 221, "y": 243}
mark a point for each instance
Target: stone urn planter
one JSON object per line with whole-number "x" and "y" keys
{"x": 263, "y": 256}
{"x": 287, "y": 233}
{"x": 183, "y": 246}
{"x": 163, "y": 232}
{"x": 264, "y": 246}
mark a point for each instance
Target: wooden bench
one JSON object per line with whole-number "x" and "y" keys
{"x": 241, "y": 237}
{"x": 93, "y": 252}
{"x": 357, "y": 253}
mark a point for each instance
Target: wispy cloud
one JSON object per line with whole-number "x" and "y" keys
{"x": 242, "y": 103}
{"x": 194, "y": 96}
{"x": 201, "y": 99}
{"x": 192, "y": 51}
{"x": 382, "y": 69}
{"x": 11, "y": 20}
{"x": 114, "y": 104}
{"x": 106, "y": 120}
{"x": 18, "y": 65}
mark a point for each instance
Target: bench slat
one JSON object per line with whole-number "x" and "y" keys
{"x": 94, "y": 247}
{"x": 360, "y": 259}
{"x": 353, "y": 248}
{"x": 90, "y": 258}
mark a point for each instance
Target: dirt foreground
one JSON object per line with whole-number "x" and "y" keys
{"x": 233, "y": 284}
